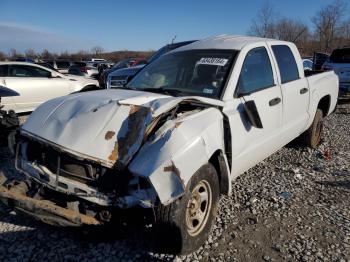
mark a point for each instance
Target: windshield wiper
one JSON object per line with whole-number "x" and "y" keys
{"x": 161, "y": 90}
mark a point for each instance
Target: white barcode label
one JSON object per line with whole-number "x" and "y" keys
{"x": 213, "y": 61}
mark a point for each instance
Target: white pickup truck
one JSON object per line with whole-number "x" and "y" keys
{"x": 172, "y": 140}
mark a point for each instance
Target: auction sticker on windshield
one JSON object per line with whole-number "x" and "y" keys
{"x": 213, "y": 61}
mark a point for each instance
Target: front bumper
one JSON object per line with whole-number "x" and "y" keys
{"x": 44, "y": 210}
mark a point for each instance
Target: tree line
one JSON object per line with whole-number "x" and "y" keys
{"x": 330, "y": 28}
{"x": 95, "y": 52}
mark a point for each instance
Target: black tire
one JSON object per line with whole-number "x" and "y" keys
{"x": 312, "y": 136}
{"x": 173, "y": 233}
{"x": 89, "y": 88}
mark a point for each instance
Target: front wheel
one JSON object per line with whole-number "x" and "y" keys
{"x": 184, "y": 225}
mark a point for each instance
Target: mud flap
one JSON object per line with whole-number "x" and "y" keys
{"x": 44, "y": 210}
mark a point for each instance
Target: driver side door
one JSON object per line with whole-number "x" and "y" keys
{"x": 257, "y": 82}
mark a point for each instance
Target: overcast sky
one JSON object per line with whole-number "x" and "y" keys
{"x": 133, "y": 25}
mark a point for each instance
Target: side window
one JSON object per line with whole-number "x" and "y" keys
{"x": 27, "y": 71}
{"x": 3, "y": 70}
{"x": 62, "y": 64}
{"x": 39, "y": 72}
{"x": 256, "y": 73}
{"x": 286, "y": 63}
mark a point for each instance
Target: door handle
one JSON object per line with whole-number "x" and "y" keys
{"x": 303, "y": 90}
{"x": 274, "y": 101}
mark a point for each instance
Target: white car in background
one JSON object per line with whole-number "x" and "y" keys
{"x": 37, "y": 84}
{"x": 60, "y": 65}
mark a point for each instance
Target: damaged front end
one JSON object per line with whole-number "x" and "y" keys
{"x": 76, "y": 153}
{"x": 68, "y": 190}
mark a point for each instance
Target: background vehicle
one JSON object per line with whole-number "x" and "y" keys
{"x": 37, "y": 84}
{"x": 95, "y": 60}
{"x": 83, "y": 69}
{"x": 24, "y": 59}
{"x": 119, "y": 77}
{"x": 339, "y": 61}
{"x": 8, "y": 119}
{"x": 308, "y": 64}
{"x": 44, "y": 64}
{"x": 173, "y": 138}
{"x": 319, "y": 59}
{"x": 125, "y": 63}
{"x": 60, "y": 65}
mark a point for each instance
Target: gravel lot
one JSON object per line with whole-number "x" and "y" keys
{"x": 294, "y": 206}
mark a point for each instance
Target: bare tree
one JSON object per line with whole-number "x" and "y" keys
{"x": 64, "y": 55}
{"x": 13, "y": 53}
{"x": 2, "y": 56}
{"x": 328, "y": 23}
{"x": 30, "y": 53}
{"x": 290, "y": 30}
{"x": 97, "y": 51}
{"x": 345, "y": 30}
{"x": 263, "y": 24}
{"x": 45, "y": 54}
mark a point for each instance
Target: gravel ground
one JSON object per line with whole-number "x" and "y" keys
{"x": 294, "y": 206}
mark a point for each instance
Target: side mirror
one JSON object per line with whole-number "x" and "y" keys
{"x": 253, "y": 114}
{"x": 53, "y": 75}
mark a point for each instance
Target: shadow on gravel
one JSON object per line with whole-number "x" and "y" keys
{"x": 343, "y": 184}
{"x": 135, "y": 237}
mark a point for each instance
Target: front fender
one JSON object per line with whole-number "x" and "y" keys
{"x": 177, "y": 150}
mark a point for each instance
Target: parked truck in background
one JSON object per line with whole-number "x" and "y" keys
{"x": 339, "y": 61}
{"x": 173, "y": 139}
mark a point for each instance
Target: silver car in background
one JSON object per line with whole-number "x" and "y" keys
{"x": 339, "y": 61}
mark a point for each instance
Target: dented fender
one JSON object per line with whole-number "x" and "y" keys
{"x": 177, "y": 150}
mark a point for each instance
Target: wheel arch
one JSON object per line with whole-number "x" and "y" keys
{"x": 89, "y": 87}
{"x": 219, "y": 161}
{"x": 324, "y": 104}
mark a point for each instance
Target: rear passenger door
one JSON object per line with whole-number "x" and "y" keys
{"x": 295, "y": 91}
{"x": 256, "y": 82}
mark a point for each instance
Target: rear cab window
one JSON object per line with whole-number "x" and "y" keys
{"x": 286, "y": 63}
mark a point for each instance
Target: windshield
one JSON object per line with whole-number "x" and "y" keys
{"x": 121, "y": 64}
{"x": 340, "y": 56}
{"x": 157, "y": 54}
{"x": 193, "y": 72}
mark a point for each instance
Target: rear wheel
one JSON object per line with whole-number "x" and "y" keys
{"x": 312, "y": 136}
{"x": 184, "y": 225}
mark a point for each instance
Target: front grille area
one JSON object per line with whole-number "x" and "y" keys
{"x": 92, "y": 174}
{"x": 118, "y": 77}
{"x": 63, "y": 164}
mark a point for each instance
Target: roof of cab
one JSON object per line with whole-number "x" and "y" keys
{"x": 235, "y": 42}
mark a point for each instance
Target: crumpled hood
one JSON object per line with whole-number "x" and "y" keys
{"x": 107, "y": 126}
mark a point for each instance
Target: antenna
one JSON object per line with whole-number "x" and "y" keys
{"x": 172, "y": 41}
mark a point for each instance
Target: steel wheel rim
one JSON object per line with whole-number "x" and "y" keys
{"x": 198, "y": 208}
